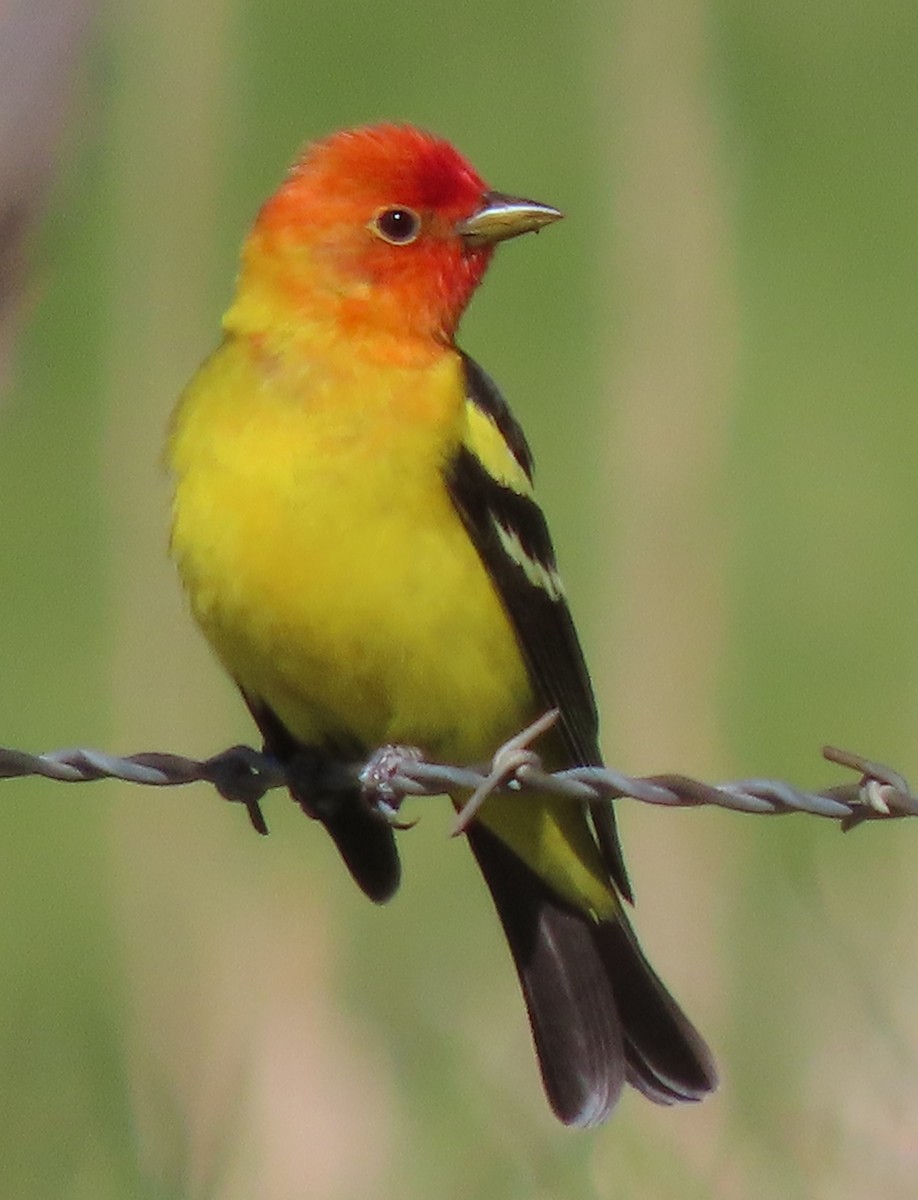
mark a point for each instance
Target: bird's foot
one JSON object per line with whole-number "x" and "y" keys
{"x": 382, "y": 788}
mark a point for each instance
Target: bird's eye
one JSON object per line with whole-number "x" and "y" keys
{"x": 396, "y": 225}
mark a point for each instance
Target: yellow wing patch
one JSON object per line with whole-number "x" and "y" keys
{"x": 488, "y": 444}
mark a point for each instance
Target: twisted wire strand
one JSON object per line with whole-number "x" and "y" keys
{"x": 244, "y": 776}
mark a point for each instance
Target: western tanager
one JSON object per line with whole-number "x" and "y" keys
{"x": 355, "y": 526}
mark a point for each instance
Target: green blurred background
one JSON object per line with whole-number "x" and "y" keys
{"x": 716, "y": 359}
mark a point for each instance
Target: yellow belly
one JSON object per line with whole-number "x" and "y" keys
{"x": 324, "y": 560}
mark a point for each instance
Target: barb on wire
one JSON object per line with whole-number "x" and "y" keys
{"x": 244, "y": 776}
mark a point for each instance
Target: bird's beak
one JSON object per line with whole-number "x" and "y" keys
{"x": 501, "y": 217}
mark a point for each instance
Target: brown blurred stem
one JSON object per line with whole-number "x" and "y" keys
{"x": 41, "y": 42}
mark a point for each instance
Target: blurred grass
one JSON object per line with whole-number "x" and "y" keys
{"x": 188, "y": 1012}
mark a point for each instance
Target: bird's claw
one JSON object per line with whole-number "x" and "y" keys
{"x": 381, "y": 790}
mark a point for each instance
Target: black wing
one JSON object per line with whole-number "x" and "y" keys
{"x": 366, "y": 843}
{"x": 510, "y": 533}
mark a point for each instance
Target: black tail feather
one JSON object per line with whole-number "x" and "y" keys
{"x": 665, "y": 1056}
{"x": 599, "y": 1014}
{"x": 571, "y": 1010}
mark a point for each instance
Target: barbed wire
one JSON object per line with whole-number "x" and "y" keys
{"x": 244, "y": 776}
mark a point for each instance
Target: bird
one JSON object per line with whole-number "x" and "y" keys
{"x": 356, "y": 530}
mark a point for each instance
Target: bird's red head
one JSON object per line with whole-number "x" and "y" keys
{"x": 382, "y": 230}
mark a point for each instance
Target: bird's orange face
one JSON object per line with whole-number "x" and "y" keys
{"x": 371, "y": 227}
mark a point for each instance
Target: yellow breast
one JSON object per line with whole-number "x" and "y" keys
{"x": 324, "y": 560}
